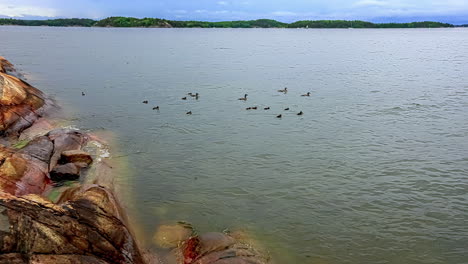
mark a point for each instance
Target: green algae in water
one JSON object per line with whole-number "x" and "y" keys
{"x": 55, "y": 193}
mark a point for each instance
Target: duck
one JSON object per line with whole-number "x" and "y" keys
{"x": 145, "y": 102}
{"x": 196, "y": 96}
{"x": 193, "y": 95}
{"x": 286, "y": 109}
{"x": 254, "y": 108}
{"x": 285, "y": 90}
{"x": 244, "y": 98}
{"x": 156, "y": 108}
{"x": 300, "y": 113}
{"x": 82, "y": 94}
{"x": 189, "y": 113}
{"x": 248, "y": 108}
{"x": 307, "y": 94}
{"x": 190, "y": 94}
{"x": 266, "y": 108}
{"x": 279, "y": 116}
{"x": 184, "y": 98}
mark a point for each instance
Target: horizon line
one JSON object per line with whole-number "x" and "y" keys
{"x": 207, "y": 21}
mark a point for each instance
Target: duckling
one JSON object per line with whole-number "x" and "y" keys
{"x": 285, "y": 90}
{"x": 189, "y": 113}
{"x": 156, "y": 108}
{"x": 266, "y": 108}
{"x": 244, "y": 98}
{"x": 307, "y": 94}
{"x": 82, "y": 94}
{"x": 279, "y": 116}
{"x": 184, "y": 98}
{"x": 254, "y": 108}
{"x": 300, "y": 113}
{"x": 145, "y": 102}
{"x": 286, "y": 109}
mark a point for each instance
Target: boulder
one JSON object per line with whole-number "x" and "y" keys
{"x": 21, "y": 174}
{"x": 40, "y": 148}
{"x": 65, "y": 172}
{"x": 76, "y": 156}
{"x": 64, "y": 140}
{"x": 19, "y": 104}
{"x": 25, "y": 171}
{"x": 86, "y": 229}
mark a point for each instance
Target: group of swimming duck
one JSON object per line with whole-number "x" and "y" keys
{"x": 285, "y": 90}
{"x": 196, "y": 96}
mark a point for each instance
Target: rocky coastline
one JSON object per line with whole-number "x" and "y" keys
{"x": 58, "y": 204}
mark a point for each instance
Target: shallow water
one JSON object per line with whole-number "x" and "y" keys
{"x": 375, "y": 171}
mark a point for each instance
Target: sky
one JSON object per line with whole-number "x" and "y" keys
{"x": 450, "y": 11}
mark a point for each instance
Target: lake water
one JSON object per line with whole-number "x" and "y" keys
{"x": 375, "y": 171}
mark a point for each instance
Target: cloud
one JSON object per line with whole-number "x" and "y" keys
{"x": 371, "y": 3}
{"x": 24, "y": 11}
{"x": 283, "y": 13}
{"x": 217, "y": 10}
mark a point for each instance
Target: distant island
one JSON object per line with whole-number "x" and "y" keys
{"x": 259, "y": 23}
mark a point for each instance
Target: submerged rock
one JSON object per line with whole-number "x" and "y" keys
{"x": 218, "y": 248}
{"x": 87, "y": 228}
{"x": 170, "y": 236}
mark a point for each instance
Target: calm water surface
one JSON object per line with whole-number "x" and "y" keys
{"x": 375, "y": 171}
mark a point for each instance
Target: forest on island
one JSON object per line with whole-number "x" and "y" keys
{"x": 259, "y": 23}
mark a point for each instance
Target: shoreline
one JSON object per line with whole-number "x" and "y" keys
{"x": 285, "y": 28}
{"x": 131, "y": 22}
{"x": 60, "y": 204}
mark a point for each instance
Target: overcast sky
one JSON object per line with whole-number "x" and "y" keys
{"x": 452, "y": 11}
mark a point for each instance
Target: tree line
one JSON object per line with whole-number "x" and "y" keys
{"x": 259, "y": 23}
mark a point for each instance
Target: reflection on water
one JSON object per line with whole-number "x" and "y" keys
{"x": 375, "y": 171}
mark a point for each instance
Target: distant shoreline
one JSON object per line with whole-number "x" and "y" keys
{"x": 130, "y": 22}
